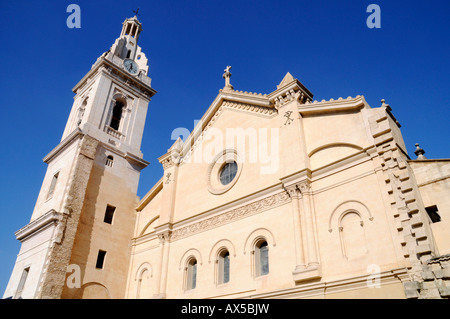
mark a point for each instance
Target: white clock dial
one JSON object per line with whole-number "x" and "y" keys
{"x": 131, "y": 66}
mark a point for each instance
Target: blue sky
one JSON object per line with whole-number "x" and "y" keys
{"x": 325, "y": 44}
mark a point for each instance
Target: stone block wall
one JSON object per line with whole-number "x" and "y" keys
{"x": 436, "y": 280}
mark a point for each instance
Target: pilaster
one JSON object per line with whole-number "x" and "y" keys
{"x": 305, "y": 236}
{"x": 164, "y": 234}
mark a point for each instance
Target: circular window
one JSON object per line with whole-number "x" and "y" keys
{"x": 228, "y": 173}
{"x": 224, "y": 172}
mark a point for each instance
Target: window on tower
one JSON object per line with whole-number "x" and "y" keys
{"x": 109, "y": 214}
{"x": 100, "y": 259}
{"x": 109, "y": 161}
{"x": 22, "y": 283}
{"x": 52, "y": 185}
{"x": 116, "y": 115}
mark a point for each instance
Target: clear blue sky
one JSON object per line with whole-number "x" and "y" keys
{"x": 325, "y": 44}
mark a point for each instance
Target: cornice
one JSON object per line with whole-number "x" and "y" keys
{"x": 255, "y": 99}
{"x": 428, "y": 160}
{"x": 150, "y": 195}
{"x": 322, "y": 288}
{"x": 39, "y": 224}
{"x": 339, "y": 105}
{"x": 76, "y": 134}
{"x": 113, "y": 68}
{"x": 264, "y": 110}
{"x": 294, "y": 85}
{"x": 136, "y": 160}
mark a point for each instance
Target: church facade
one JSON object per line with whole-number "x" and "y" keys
{"x": 270, "y": 196}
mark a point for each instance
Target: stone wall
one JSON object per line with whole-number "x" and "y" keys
{"x": 414, "y": 235}
{"x": 436, "y": 280}
{"x": 58, "y": 258}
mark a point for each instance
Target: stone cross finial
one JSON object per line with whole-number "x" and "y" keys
{"x": 419, "y": 152}
{"x": 227, "y": 76}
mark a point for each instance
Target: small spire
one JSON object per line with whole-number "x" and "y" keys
{"x": 227, "y": 76}
{"x": 383, "y": 103}
{"x": 288, "y": 78}
{"x": 419, "y": 152}
{"x": 387, "y": 106}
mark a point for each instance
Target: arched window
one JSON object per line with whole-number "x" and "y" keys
{"x": 223, "y": 264}
{"x": 81, "y": 111}
{"x": 109, "y": 161}
{"x": 191, "y": 274}
{"x": 261, "y": 258}
{"x": 116, "y": 115}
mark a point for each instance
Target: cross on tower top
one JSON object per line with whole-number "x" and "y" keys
{"x": 227, "y": 76}
{"x": 136, "y": 12}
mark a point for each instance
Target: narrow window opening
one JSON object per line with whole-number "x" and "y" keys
{"x": 262, "y": 258}
{"x": 433, "y": 213}
{"x": 100, "y": 259}
{"x": 128, "y": 29}
{"x": 109, "y": 161}
{"x": 109, "y": 214}
{"x": 116, "y": 115}
{"x": 191, "y": 273}
{"x": 23, "y": 278}
{"x": 224, "y": 267}
{"x": 51, "y": 190}
{"x": 128, "y": 54}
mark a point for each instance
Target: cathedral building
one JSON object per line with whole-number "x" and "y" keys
{"x": 270, "y": 196}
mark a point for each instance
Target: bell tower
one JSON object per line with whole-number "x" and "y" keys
{"x": 76, "y": 244}
{"x": 130, "y": 32}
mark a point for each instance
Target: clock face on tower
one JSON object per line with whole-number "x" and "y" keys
{"x": 131, "y": 66}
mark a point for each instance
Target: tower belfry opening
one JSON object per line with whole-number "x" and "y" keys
{"x": 116, "y": 115}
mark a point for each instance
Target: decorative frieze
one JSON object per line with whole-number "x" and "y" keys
{"x": 250, "y": 107}
{"x": 232, "y": 215}
{"x": 290, "y": 96}
{"x": 167, "y": 162}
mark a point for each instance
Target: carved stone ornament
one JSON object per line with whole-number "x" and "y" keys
{"x": 293, "y": 191}
{"x": 164, "y": 237}
{"x": 168, "y": 162}
{"x": 305, "y": 187}
{"x": 232, "y": 215}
